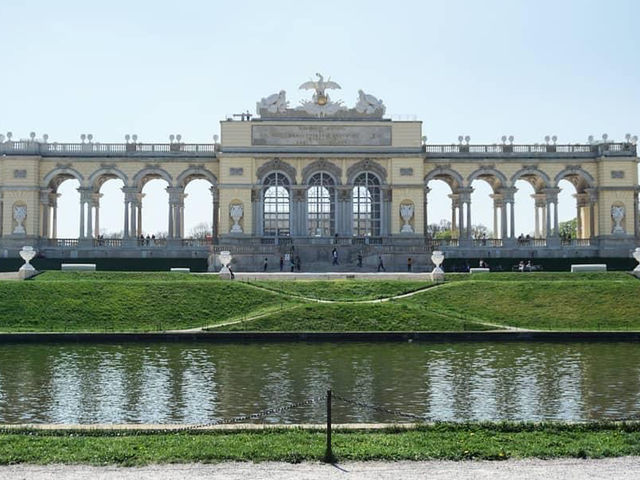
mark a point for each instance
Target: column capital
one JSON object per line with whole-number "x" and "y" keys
{"x": 298, "y": 193}
{"x": 85, "y": 194}
{"x": 508, "y": 194}
{"x": 176, "y": 195}
{"x": 215, "y": 193}
{"x": 593, "y": 194}
{"x": 498, "y": 200}
{"x": 45, "y": 196}
{"x": 551, "y": 194}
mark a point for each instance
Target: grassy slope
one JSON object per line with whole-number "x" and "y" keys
{"x": 124, "y": 302}
{"x": 445, "y": 441}
{"x": 344, "y": 290}
{"x": 113, "y": 301}
{"x": 345, "y": 317}
{"x": 536, "y": 301}
{"x": 564, "y": 303}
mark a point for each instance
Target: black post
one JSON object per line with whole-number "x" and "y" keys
{"x": 328, "y": 456}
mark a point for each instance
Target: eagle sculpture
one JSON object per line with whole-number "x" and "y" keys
{"x": 319, "y": 86}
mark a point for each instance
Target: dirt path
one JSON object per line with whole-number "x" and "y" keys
{"x": 624, "y": 468}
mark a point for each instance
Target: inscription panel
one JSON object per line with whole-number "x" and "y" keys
{"x": 321, "y": 135}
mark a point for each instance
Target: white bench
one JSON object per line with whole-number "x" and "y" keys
{"x": 592, "y": 267}
{"x": 479, "y": 270}
{"x": 180, "y": 270}
{"x": 85, "y": 267}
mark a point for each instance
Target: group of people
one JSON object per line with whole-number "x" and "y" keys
{"x": 294, "y": 263}
{"x": 148, "y": 240}
{"x": 525, "y": 267}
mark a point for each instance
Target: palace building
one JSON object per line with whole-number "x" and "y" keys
{"x": 319, "y": 176}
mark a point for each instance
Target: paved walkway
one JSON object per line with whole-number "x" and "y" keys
{"x": 625, "y": 468}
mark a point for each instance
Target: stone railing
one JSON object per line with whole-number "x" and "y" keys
{"x": 96, "y": 149}
{"x": 107, "y": 149}
{"x": 499, "y": 149}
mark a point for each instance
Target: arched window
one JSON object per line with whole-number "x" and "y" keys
{"x": 321, "y": 205}
{"x": 276, "y": 205}
{"x": 366, "y": 205}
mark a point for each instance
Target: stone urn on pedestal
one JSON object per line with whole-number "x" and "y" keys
{"x": 236, "y": 213}
{"x": 225, "y": 261}
{"x": 636, "y": 255}
{"x": 27, "y": 270}
{"x": 406, "y": 213}
{"x": 437, "y": 274}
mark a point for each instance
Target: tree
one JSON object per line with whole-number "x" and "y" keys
{"x": 569, "y": 229}
{"x": 201, "y": 230}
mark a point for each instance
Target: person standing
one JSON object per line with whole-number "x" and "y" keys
{"x": 359, "y": 259}
{"x": 281, "y": 263}
{"x": 380, "y": 264}
{"x": 409, "y": 264}
{"x": 334, "y": 255}
{"x": 266, "y": 264}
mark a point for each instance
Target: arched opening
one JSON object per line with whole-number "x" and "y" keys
{"x": 66, "y": 211}
{"x": 109, "y": 219}
{"x": 276, "y": 205}
{"x": 482, "y": 210}
{"x": 441, "y": 218}
{"x": 528, "y": 226}
{"x": 568, "y": 212}
{"x": 153, "y": 209}
{"x": 367, "y": 205}
{"x": 198, "y": 209}
{"x": 321, "y": 205}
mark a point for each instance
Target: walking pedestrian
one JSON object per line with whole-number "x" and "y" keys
{"x": 380, "y": 264}
{"x": 409, "y": 264}
{"x": 334, "y": 256}
{"x": 359, "y": 259}
{"x": 266, "y": 264}
{"x": 281, "y": 263}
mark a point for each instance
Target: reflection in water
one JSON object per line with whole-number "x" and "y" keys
{"x": 201, "y": 382}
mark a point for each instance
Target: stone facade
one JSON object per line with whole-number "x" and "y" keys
{"x": 372, "y": 171}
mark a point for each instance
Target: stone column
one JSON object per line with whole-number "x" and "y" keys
{"x": 96, "y": 203}
{"x": 510, "y": 201}
{"x": 425, "y": 217}
{"x": 455, "y": 202}
{"x": 256, "y": 205}
{"x": 85, "y": 200}
{"x": 176, "y": 211}
{"x": 385, "y": 214}
{"x": 130, "y": 194}
{"x": 540, "y": 204}
{"x": 582, "y": 202}
{"x": 54, "y": 206}
{"x": 298, "y": 207}
{"x": 344, "y": 211}
{"x": 45, "y": 206}
{"x": 215, "y": 196}
{"x": 592, "y": 199}
{"x": 498, "y": 203}
{"x": 551, "y": 196}
{"x": 464, "y": 225}
{"x": 139, "y": 225}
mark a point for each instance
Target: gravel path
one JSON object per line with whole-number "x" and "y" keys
{"x": 567, "y": 469}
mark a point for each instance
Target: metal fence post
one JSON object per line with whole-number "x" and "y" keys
{"x": 328, "y": 455}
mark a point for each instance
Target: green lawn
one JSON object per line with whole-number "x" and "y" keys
{"x": 125, "y": 302}
{"x": 344, "y": 290}
{"x": 345, "y": 317}
{"x": 441, "y": 441}
{"x": 121, "y": 301}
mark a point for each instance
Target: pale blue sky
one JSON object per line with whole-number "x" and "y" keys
{"x": 484, "y": 69}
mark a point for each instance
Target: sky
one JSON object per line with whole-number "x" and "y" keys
{"x": 485, "y": 69}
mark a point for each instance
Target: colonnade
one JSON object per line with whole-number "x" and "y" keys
{"x": 89, "y": 223}
{"x": 545, "y": 213}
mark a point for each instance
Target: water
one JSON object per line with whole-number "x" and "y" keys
{"x": 201, "y": 382}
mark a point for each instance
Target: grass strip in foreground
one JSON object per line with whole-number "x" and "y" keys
{"x": 444, "y": 441}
